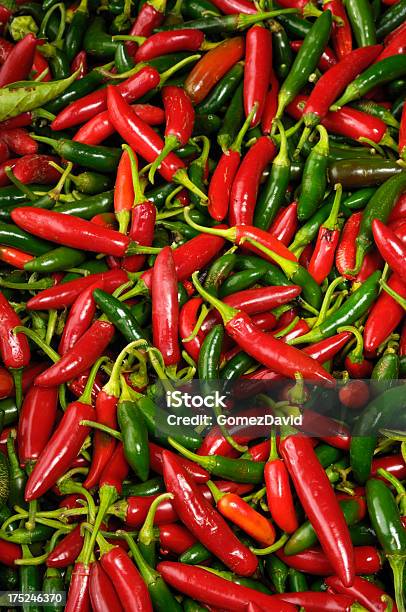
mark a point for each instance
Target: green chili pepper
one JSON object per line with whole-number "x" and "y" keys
{"x": 232, "y": 120}
{"x": 272, "y": 276}
{"x": 378, "y": 414}
{"x": 91, "y": 183}
{"x": 11, "y": 235}
{"x": 237, "y": 366}
{"x": 86, "y": 208}
{"x": 327, "y": 454}
{"x": 359, "y": 198}
{"x": 74, "y": 35}
{"x": 135, "y": 435}
{"x": 314, "y": 180}
{"x": 278, "y": 573}
{"x": 158, "y": 195}
{"x": 282, "y": 52}
{"x": 386, "y": 370}
{"x": 17, "y": 477}
{"x": 352, "y": 309}
{"x": 194, "y": 9}
{"x": 97, "y": 42}
{"x": 358, "y": 173}
{"x": 190, "y": 605}
{"x": 362, "y": 22}
{"x": 122, "y": 59}
{"x": 376, "y": 110}
{"x": 240, "y": 281}
{"x": 273, "y": 195}
{"x": 391, "y": 19}
{"x": 207, "y": 124}
{"x": 379, "y": 207}
{"x": 56, "y": 260}
{"x": 362, "y": 534}
{"x": 222, "y": 92}
{"x": 148, "y": 536}
{"x": 156, "y": 420}
{"x": 119, "y": 314}
{"x": 33, "y": 9}
{"x": 297, "y": 581}
{"x": 382, "y": 72}
{"x": 295, "y": 26}
{"x": 238, "y": 470}
{"x": 52, "y": 584}
{"x": 397, "y": 88}
{"x": 209, "y": 356}
{"x": 29, "y": 581}
{"x": 12, "y": 196}
{"x": 305, "y": 536}
{"x": 4, "y": 479}
{"x": 59, "y": 64}
{"x": 9, "y": 409}
{"x": 195, "y": 555}
{"x": 197, "y": 168}
{"x": 149, "y": 487}
{"x": 8, "y": 579}
{"x": 384, "y": 514}
{"x": 40, "y": 533}
{"x": 305, "y": 61}
{"x": 95, "y": 157}
{"x": 76, "y": 90}
{"x": 142, "y": 312}
{"x": 218, "y": 272}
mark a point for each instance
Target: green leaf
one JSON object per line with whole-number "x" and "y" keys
{"x": 26, "y": 96}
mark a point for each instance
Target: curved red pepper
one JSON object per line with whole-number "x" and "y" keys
{"x": 341, "y": 34}
{"x": 14, "y": 257}
{"x": 39, "y": 406}
{"x": 14, "y": 348}
{"x": 199, "y": 474}
{"x": 271, "y": 105}
{"x": 175, "y": 539}
{"x": 19, "y": 141}
{"x": 395, "y": 45}
{"x": 87, "y": 107}
{"x": 67, "y": 550}
{"x": 150, "y": 16}
{"x": 165, "y": 307}
{"x": 231, "y": 7}
{"x": 394, "y": 464}
{"x": 80, "y": 318}
{"x": 322, "y": 259}
{"x": 390, "y": 247}
{"x": 366, "y": 593}
{"x": 171, "y": 41}
{"x": 285, "y": 224}
{"x": 78, "y": 599}
{"x": 246, "y": 182}
{"x": 279, "y": 493}
{"x": 318, "y": 602}
{"x": 9, "y": 553}
{"x": 313, "y": 561}
{"x": 257, "y": 70}
{"x": 18, "y": 64}
{"x": 6, "y": 383}
{"x": 127, "y": 581}
{"x": 35, "y": 168}
{"x": 345, "y": 254}
{"x": 320, "y": 504}
{"x": 384, "y": 317}
{"x": 79, "y": 62}
{"x": 103, "y": 595}
{"x": 187, "y": 321}
{"x": 203, "y": 521}
{"x": 239, "y": 512}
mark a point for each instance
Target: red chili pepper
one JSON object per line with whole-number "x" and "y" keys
{"x": 330, "y": 431}
{"x": 180, "y": 117}
{"x": 150, "y": 16}
{"x": 5, "y": 15}
{"x": 259, "y": 452}
{"x": 212, "y": 67}
{"x": 366, "y": 593}
{"x": 285, "y": 224}
{"x": 78, "y": 599}
{"x": 77, "y": 385}
{"x": 80, "y": 318}
{"x": 9, "y": 163}
{"x": 345, "y": 254}
{"x": 320, "y": 504}
{"x": 257, "y": 71}
{"x": 239, "y": 512}
{"x": 39, "y": 66}
{"x": 94, "y": 103}
{"x": 134, "y": 511}
{"x": 187, "y": 321}
{"x": 14, "y": 257}
{"x": 213, "y": 590}
{"x": 313, "y": 561}
{"x": 39, "y": 406}
{"x": 165, "y": 307}
{"x": 394, "y": 464}
{"x": 63, "y": 295}
{"x": 191, "y": 256}
{"x": 22, "y": 120}
{"x": 19, "y": 141}
{"x": 199, "y": 474}
{"x": 399, "y": 228}
{"x": 6, "y": 383}
{"x": 127, "y": 581}
{"x": 278, "y": 491}
{"x": 390, "y": 247}
{"x": 175, "y": 539}
{"x": 67, "y": 550}
{"x": 70, "y": 231}
{"x": 402, "y": 134}
{"x": 4, "y": 152}
{"x": 384, "y": 317}
{"x": 79, "y": 62}
{"x": 123, "y": 192}
{"x": 18, "y": 64}
{"x": 144, "y": 140}
{"x": 247, "y": 179}
{"x": 318, "y": 602}
{"x": 231, "y": 7}
{"x": 61, "y": 449}
{"x": 327, "y": 60}
{"x": 223, "y": 176}
{"x": 341, "y": 34}
{"x": 99, "y": 128}
{"x": 171, "y": 41}
{"x": 81, "y": 356}
{"x": 103, "y": 595}
{"x": 203, "y": 521}
{"x": 36, "y": 169}
{"x": 395, "y": 46}
{"x": 271, "y": 105}
{"x": 143, "y": 217}
{"x": 322, "y": 258}
{"x": 9, "y": 553}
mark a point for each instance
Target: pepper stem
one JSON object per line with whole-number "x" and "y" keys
{"x": 138, "y": 190}
{"x": 273, "y": 453}
{"x": 327, "y": 299}
{"x": 104, "y": 428}
{"x": 288, "y": 267}
{"x": 304, "y": 136}
{"x": 149, "y": 574}
{"x": 215, "y": 491}
{"x": 53, "y": 355}
{"x": 228, "y": 234}
{"x": 245, "y": 21}
{"x": 227, "y": 312}
{"x": 171, "y": 71}
{"x": 17, "y": 374}
{"x": 171, "y": 144}
{"x": 146, "y": 536}
{"x": 86, "y": 397}
{"x": 204, "y": 461}
{"x": 271, "y": 549}
{"x": 397, "y": 564}
{"x": 357, "y": 354}
{"x": 397, "y": 485}
{"x": 331, "y": 221}
{"x": 20, "y": 186}
{"x": 107, "y": 496}
{"x": 398, "y": 298}
{"x": 182, "y": 178}
{"x": 236, "y": 146}
{"x": 282, "y": 159}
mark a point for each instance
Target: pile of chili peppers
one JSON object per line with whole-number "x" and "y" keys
{"x": 209, "y": 190}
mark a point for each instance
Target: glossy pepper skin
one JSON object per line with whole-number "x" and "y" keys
{"x": 39, "y": 405}
{"x": 257, "y": 70}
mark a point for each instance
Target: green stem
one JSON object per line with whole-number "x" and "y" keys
{"x": 236, "y": 146}
{"x": 171, "y": 71}
{"x": 138, "y": 190}
{"x": 271, "y": 549}
{"x": 215, "y": 491}
{"x": 108, "y": 430}
{"x": 331, "y": 221}
{"x": 86, "y": 397}
{"x": 52, "y": 319}
{"x": 112, "y": 387}
{"x": 171, "y": 144}
{"x": 20, "y": 186}
{"x": 273, "y": 454}
{"x": 327, "y": 299}
{"x": 397, "y": 564}
{"x": 357, "y": 354}
{"x": 398, "y": 298}
{"x": 227, "y": 312}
